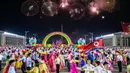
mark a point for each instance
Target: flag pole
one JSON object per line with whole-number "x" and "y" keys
{"x": 92, "y": 38}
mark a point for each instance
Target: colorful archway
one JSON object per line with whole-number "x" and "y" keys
{"x": 56, "y": 33}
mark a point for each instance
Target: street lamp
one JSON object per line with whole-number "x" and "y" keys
{"x": 91, "y": 36}
{"x": 85, "y": 36}
{"x": 91, "y": 39}
{"x": 26, "y": 32}
{"x": 35, "y": 35}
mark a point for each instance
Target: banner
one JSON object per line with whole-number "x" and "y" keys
{"x": 126, "y": 27}
{"x": 98, "y": 43}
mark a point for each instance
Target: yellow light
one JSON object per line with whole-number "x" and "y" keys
{"x": 62, "y": 45}
{"x": 78, "y": 45}
{"x": 49, "y": 45}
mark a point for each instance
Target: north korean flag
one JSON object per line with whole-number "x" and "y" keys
{"x": 98, "y": 43}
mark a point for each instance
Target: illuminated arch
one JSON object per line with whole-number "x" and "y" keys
{"x": 56, "y": 33}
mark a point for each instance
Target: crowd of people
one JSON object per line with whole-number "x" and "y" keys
{"x": 51, "y": 60}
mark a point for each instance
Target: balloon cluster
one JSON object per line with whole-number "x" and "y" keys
{"x": 76, "y": 8}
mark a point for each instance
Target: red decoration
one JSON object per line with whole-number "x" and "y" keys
{"x": 35, "y": 47}
{"x": 126, "y": 28}
{"x": 89, "y": 46}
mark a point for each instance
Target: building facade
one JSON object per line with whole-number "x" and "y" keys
{"x": 0, "y": 37}
{"x": 10, "y": 39}
{"x": 119, "y": 39}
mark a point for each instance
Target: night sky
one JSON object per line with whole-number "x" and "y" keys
{"x": 12, "y": 20}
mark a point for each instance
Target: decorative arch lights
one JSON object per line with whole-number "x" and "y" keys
{"x": 57, "y": 33}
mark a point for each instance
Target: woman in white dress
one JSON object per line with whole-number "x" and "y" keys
{"x": 62, "y": 57}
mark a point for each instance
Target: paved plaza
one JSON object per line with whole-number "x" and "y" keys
{"x": 66, "y": 71}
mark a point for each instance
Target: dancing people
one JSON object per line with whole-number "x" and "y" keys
{"x": 57, "y": 61}
{"x": 119, "y": 61}
{"x": 1, "y": 56}
{"x": 88, "y": 67}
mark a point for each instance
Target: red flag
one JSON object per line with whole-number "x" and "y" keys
{"x": 126, "y": 27}
{"x": 89, "y": 46}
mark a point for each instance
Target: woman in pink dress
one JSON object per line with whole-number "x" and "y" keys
{"x": 44, "y": 56}
{"x": 51, "y": 63}
{"x": 110, "y": 63}
{"x": 124, "y": 59}
{"x": 73, "y": 68}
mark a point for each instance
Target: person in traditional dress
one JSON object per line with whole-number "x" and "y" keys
{"x": 62, "y": 59}
{"x": 68, "y": 60}
{"x": 43, "y": 67}
{"x": 109, "y": 61}
{"x": 36, "y": 68}
{"x": 51, "y": 63}
{"x": 18, "y": 63}
{"x": 44, "y": 56}
{"x": 13, "y": 54}
{"x": 115, "y": 57}
{"x": 124, "y": 59}
{"x": 73, "y": 66}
